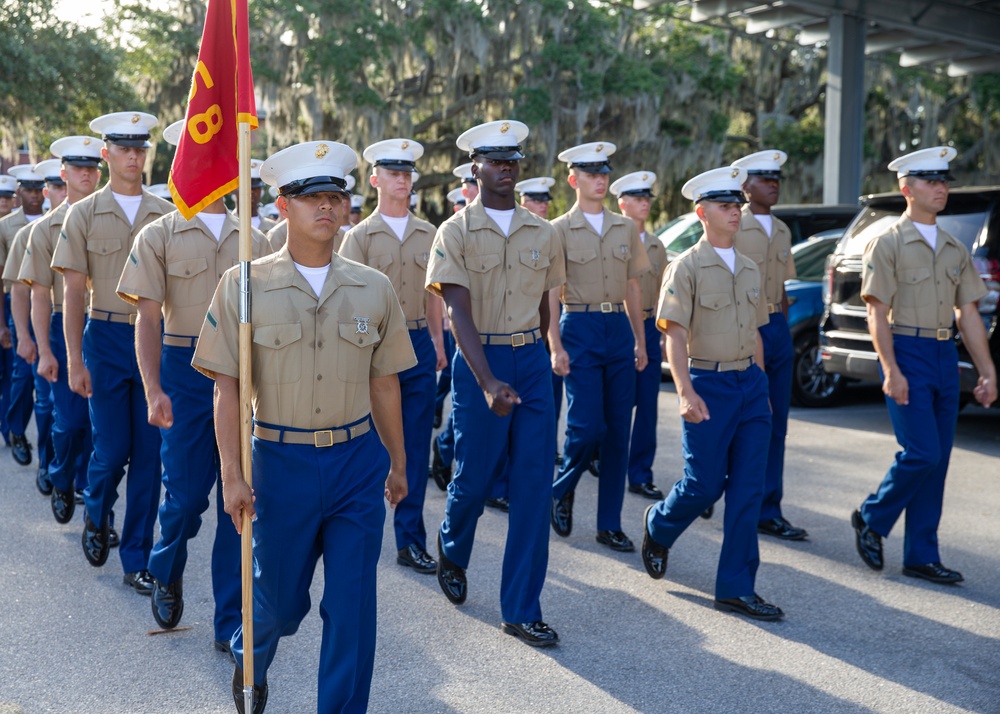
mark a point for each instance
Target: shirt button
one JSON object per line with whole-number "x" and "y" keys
{"x": 277, "y": 342}
{"x": 318, "y": 410}
{"x": 319, "y": 377}
{"x": 509, "y": 319}
{"x": 510, "y": 292}
{"x": 319, "y": 345}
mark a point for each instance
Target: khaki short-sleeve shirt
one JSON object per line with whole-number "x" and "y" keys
{"x": 9, "y": 226}
{"x": 772, "y": 254}
{"x": 264, "y": 224}
{"x": 650, "y": 281}
{"x": 278, "y": 236}
{"x": 922, "y": 286}
{"x": 96, "y": 239}
{"x": 506, "y": 276}
{"x": 372, "y": 242}
{"x": 721, "y": 311}
{"x": 598, "y": 267}
{"x": 36, "y": 267}
{"x": 15, "y": 256}
{"x": 178, "y": 263}
{"x": 313, "y": 358}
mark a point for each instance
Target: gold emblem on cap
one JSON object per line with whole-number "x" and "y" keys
{"x": 777, "y": 156}
{"x": 944, "y": 152}
{"x": 86, "y": 142}
{"x": 504, "y": 128}
{"x": 135, "y": 118}
{"x": 645, "y": 177}
{"x": 735, "y": 173}
{"x": 405, "y": 145}
{"x": 322, "y": 150}
{"x": 600, "y": 148}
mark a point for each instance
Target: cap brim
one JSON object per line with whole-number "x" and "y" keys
{"x": 723, "y": 197}
{"x": 89, "y": 162}
{"x": 639, "y": 193}
{"x": 256, "y": 183}
{"x": 931, "y": 175}
{"x": 318, "y": 187}
{"x": 765, "y": 174}
{"x": 396, "y": 165}
{"x": 32, "y": 185}
{"x": 545, "y": 197}
{"x": 602, "y": 167}
{"x": 511, "y": 154}
{"x": 6, "y": 194}
{"x": 131, "y": 143}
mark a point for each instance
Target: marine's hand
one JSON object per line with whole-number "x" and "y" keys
{"x": 5, "y": 340}
{"x": 48, "y": 367}
{"x": 79, "y": 380}
{"x": 27, "y": 351}
{"x": 692, "y": 408}
{"x": 395, "y": 486}
{"x": 985, "y": 391}
{"x": 237, "y": 496}
{"x": 160, "y": 410}
{"x": 897, "y": 388}
{"x": 641, "y": 359}
{"x": 560, "y": 362}
{"x": 500, "y": 397}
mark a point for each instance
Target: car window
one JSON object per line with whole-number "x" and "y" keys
{"x": 681, "y": 233}
{"x": 810, "y": 258}
{"x": 965, "y": 226}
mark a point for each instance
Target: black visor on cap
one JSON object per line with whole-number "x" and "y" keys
{"x": 499, "y": 153}
{"x": 314, "y": 184}
{"x": 593, "y": 167}
{"x": 132, "y": 141}
{"x": 722, "y": 197}
{"x": 256, "y": 183}
{"x": 396, "y": 164}
{"x": 88, "y": 161}
{"x": 6, "y": 194}
{"x": 32, "y": 185}
{"x": 55, "y": 180}
{"x": 639, "y": 193}
{"x": 356, "y": 209}
{"x": 545, "y": 197}
{"x": 936, "y": 175}
{"x": 765, "y": 173}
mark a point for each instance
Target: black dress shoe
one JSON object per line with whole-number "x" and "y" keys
{"x": 95, "y": 542}
{"x": 594, "y": 467}
{"x": 654, "y": 555}
{"x": 20, "y": 449}
{"x": 167, "y": 603}
{"x": 438, "y": 417}
{"x": 648, "y": 490}
{"x": 562, "y": 515}
{"x": 616, "y": 540}
{"x": 113, "y": 540}
{"x": 78, "y": 497}
{"x": 140, "y": 581}
{"x": 707, "y": 513}
{"x": 439, "y": 471}
{"x": 868, "y": 542}
{"x": 259, "y": 693}
{"x": 536, "y": 634}
{"x": 451, "y": 578}
{"x": 63, "y": 505}
{"x": 753, "y": 606}
{"x": 559, "y": 459}
{"x": 224, "y": 647}
{"x": 780, "y": 528}
{"x": 501, "y": 504}
{"x": 934, "y": 572}
{"x": 413, "y": 556}
{"x": 42, "y": 482}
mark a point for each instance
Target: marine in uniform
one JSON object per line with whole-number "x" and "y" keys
{"x": 711, "y": 307}
{"x": 396, "y": 243}
{"x": 635, "y": 196}
{"x": 918, "y": 282}
{"x": 768, "y": 242}
{"x": 80, "y": 157}
{"x": 15, "y": 395}
{"x": 493, "y": 264}
{"x": 327, "y": 333}
{"x": 257, "y": 221}
{"x": 357, "y": 203}
{"x": 8, "y": 189}
{"x": 457, "y": 199}
{"x": 170, "y": 276}
{"x": 26, "y": 381}
{"x": 535, "y": 196}
{"x": 599, "y": 343}
{"x": 96, "y": 238}
{"x": 277, "y": 236}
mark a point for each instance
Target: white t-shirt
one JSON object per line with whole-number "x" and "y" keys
{"x": 642, "y": 237}
{"x": 596, "y": 220}
{"x": 729, "y": 256}
{"x": 213, "y": 222}
{"x": 314, "y": 276}
{"x": 398, "y": 225}
{"x": 928, "y": 231}
{"x": 766, "y": 220}
{"x": 501, "y": 218}
{"x": 129, "y": 204}
{"x": 254, "y": 221}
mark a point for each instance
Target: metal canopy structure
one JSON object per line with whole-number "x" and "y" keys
{"x": 961, "y": 35}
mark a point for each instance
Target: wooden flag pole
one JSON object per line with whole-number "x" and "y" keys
{"x": 246, "y": 414}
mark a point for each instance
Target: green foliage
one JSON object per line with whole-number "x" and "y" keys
{"x": 802, "y": 139}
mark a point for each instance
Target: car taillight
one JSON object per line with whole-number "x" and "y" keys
{"x": 989, "y": 271}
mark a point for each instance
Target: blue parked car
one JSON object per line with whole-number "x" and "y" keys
{"x": 812, "y": 386}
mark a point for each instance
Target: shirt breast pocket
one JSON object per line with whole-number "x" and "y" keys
{"x": 354, "y": 351}
{"x": 485, "y": 274}
{"x": 622, "y": 254}
{"x": 582, "y": 266}
{"x": 101, "y": 256}
{"x": 184, "y": 287}
{"x": 715, "y": 318}
{"x": 916, "y": 288}
{"x": 534, "y": 266}
{"x": 382, "y": 262}
{"x": 278, "y": 357}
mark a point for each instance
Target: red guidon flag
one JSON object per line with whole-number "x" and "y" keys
{"x": 206, "y": 164}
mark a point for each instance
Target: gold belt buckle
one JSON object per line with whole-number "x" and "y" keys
{"x": 517, "y": 339}
{"x": 943, "y": 333}
{"x": 132, "y": 317}
{"x": 326, "y": 440}
{"x": 606, "y": 307}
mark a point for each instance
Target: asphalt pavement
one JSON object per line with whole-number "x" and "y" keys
{"x": 74, "y": 639}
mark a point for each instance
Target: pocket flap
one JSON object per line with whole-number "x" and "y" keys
{"x": 715, "y": 301}
{"x": 623, "y": 252}
{"x": 581, "y": 256}
{"x": 187, "y": 268}
{"x": 421, "y": 259}
{"x": 914, "y": 275}
{"x": 105, "y": 246}
{"x": 381, "y": 262}
{"x": 482, "y": 263}
{"x": 277, "y": 337}
{"x": 358, "y": 336}
{"x": 534, "y": 259}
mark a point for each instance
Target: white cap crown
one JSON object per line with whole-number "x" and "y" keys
{"x": 723, "y": 185}
{"x": 637, "y": 183}
{"x": 494, "y": 140}
{"x": 77, "y": 150}
{"x": 312, "y": 167}
{"x": 591, "y": 157}
{"x": 125, "y": 128}
{"x": 930, "y": 164}
{"x": 394, "y": 154}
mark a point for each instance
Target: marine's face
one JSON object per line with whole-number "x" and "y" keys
{"x": 591, "y": 187}
{"x": 498, "y": 176}
{"x": 393, "y": 184}
{"x": 539, "y": 208}
{"x": 56, "y": 194}
{"x": 635, "y": 207}
{"x": 470, "y": 189}
{"x": 31, "y": 200}
{"x": 126, "y": 162}
{"x": 720, "y": 218}
{"x": 762, "y": 191}
{"x": 255, "y": 199}
{"x": 6, "y": 205}
{"x": 355, "y": 218}
{"x": 315, "y": 216}
{"x": 927, "y": 196}
{"x": 81, "y": 179}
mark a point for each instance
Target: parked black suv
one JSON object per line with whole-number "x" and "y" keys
{"x": 972, "y": 216}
